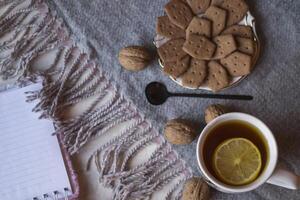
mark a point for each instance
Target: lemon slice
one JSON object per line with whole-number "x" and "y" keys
{"x": 237, "y": 161}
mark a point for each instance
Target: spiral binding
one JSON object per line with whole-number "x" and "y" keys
{"x": 56, "y": 195}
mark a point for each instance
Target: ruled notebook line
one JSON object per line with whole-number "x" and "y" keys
{"x": 31, "y": 159}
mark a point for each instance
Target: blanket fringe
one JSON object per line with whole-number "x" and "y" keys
{"x": 28, "y": 31}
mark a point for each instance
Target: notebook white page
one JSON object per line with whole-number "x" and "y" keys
{"x": 31, "y": 162}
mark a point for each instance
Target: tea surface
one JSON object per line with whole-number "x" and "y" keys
{"x": 234, "y": 129}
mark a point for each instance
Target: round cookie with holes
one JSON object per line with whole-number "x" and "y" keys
{"x": 197, "y": 38}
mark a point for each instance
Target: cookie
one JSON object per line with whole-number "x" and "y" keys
{"x": 218, "y": 18}
{"x": 176, "y": 68}
{"x": 237, "y": 64}
{"x": 216, "y": 2}
{"x": 172, "y": 50}
{"x": 165, "y": 28}
{"x": 198, "y": 6}
{"x": 179, "y": 13}
{"x": 195, "y": 75}
{"x": 217, "y": 76}
{"x": 239, "y": 30}
{"x": 199, "y": 26}
{"x": 199, "y": 47}
{"x": 237, "y": 10}
{"x": 245, "y": 45}
{"x": 225, "y": 45}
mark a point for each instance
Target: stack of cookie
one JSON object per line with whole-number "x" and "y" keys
{"x": 205, "y": 43}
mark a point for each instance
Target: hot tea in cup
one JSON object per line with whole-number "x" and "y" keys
{"x": 237, "y": 152}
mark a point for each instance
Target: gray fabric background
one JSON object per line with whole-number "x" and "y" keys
{"x": 105, "y": 26}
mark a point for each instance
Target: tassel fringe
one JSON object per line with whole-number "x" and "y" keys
{"x": 28, "y": 31}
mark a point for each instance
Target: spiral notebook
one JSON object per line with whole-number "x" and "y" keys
{"x": 33, "y": 165}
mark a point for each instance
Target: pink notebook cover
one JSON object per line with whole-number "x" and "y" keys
{"x": 70, "y": 170}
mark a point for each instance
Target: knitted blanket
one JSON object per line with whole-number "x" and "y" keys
{"x": 85, "y": 68}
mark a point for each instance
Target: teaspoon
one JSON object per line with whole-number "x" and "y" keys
{"x": 157, "y": 94}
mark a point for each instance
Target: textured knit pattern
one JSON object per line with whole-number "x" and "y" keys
{"x": 103, "y": 27}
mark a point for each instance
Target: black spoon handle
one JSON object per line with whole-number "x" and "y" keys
{"x": 214, "y": 96}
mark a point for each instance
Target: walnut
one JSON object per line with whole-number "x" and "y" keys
{"x": 178, "y": 131}
{"x": 195, "y": 189}
{"x": 134, "y": 58}
{"x": 214, "y": 111}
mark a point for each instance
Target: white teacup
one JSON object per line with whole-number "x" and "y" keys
{"x": 271, "y": 174}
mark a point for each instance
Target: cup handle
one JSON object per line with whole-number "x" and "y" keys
{"x": 285, "y": 178}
